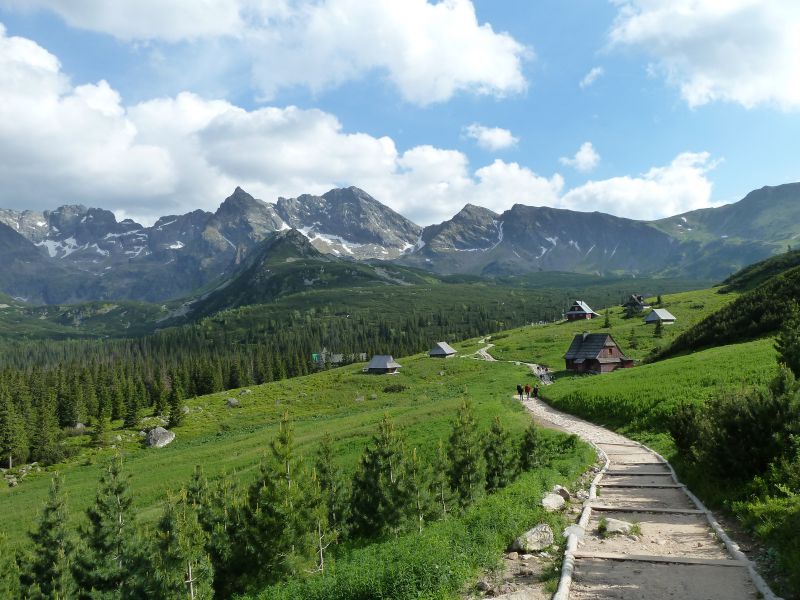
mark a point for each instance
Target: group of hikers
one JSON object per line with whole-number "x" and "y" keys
{"x": 525, "y": 392}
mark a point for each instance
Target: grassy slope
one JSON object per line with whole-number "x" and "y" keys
{"x": 546, "y": 344}
{"x": 339, "y": 401}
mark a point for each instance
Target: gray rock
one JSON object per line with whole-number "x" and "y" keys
{"x": 159, "y": 437}
{"x": 79, "y": 427}
{"x": 534, "y": 540}
{"x": 142, "y": 433}
{"x": 242, "y": 392}
{"x": 232, "y": 403}
{"x": 563, "y": 492}
{"x": 512, "y": 555}
{"x": 553, "y": 502}
{"x": 185, "y": 409}
{"x": 12, "y": 481}
{"x": 617, "y": 527}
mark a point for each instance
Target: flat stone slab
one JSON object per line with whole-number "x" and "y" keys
{"x": 638, "y": 479}
{"x": 600, "y": 579}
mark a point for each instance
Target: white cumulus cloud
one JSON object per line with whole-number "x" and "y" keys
{"x": 490, "y": 138}
{"x": 64, "y": 143}
{"x": 592, "y": 76}
{"x": 585, "y": 159}
{"x": 742, "y": 51}
{"x": 679, "y": 187}
{"x": 428, "y": 50}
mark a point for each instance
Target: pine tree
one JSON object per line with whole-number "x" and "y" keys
{"x": 47, "y": 571}
{"x": 104, "y": 560}
{"x": 182, "y": 568}
{"x": 499, "y": 456}
{"x": 332, "y": 484}
{"x": 9, "y": 571}
{"x": 419, "y": 491}
{"x": 46, "y": 443}
{"x": 379, "y": 495}
{"x": 100, "y": 426}
{"x": 607, "y": 320}
{"x": 467, "y": 468}
{"x": 131, "y": 413}
{"x": 659, "y": 330}
{"x": 440, "y": 482}
{"x": 788, "y": 341}
{"x": 217, "y": 509}
{"x": 13, "y": 437}
{"x": 278, "y": 511}
{"x": 528, "y": 457}
{"x": 322, "y": 535}
{"x": 175, "y": 404}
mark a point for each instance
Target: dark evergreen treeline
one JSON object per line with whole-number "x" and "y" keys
{"x": 221, "y": 538}
{"x": 759, "y": 312}
{"x": 47, "y": 387}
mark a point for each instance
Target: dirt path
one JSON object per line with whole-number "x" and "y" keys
{"x": 676, "y": 549}
{"x": 679, "y": 550}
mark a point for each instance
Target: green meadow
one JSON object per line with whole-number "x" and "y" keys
{"x": 344, "y": 402}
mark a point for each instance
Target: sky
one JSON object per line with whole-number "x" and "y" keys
{"x": 638, "y": 108}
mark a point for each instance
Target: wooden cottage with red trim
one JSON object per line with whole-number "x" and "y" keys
{"x": 580, "y": 310}
{"x": 595, "y": 353}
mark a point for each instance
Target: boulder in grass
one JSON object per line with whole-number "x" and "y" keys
{"x": 233, "y": 403}
{"x": 159, "y": 437}
{"x": 242, "y": 392}
{"x": 534, "y": 540}
{"x": 553, "y": 502}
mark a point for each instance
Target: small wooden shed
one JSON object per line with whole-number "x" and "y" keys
{"x": 442, "y": 350}
{"x": 660, "y": 315}
{"x": 382, "y": 364}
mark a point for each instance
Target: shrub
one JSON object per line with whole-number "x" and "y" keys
{"x": 395, "y": 388}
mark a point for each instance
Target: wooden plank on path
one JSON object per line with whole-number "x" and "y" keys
{"x": 682, "y": 560}
{"x": 646, "y": 509}
{"x": 641, "y": 485}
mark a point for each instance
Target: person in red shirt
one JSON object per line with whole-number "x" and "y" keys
{"x": 528, "y": 391}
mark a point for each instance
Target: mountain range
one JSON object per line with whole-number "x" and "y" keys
{"x": 74, "y": 253}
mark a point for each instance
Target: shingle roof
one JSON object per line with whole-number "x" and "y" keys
{"x": 383, "y": 361}
{"x": 584, "y": 308}
{"x": 441, "y": 348}
{"x": 659, "y": 314}
{"x": 586, "y": 346}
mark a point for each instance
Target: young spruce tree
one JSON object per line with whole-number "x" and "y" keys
{"x": 419, "y": 491}
{"x": 47, "y": 572}
{"x": 440, "y": 482}
{"x": 13, "y": 437}
{"x": 499, "y": 455}
{"x": 380, "y": 497}
{"x": 105, "y": 557}
{"x": 182, "y": 568}
{"x": 175, "y": 403}
{"x": 467, "y": 472}
{"x": 9, "y": 571}
{"x": 279, "y": 523}
{"x": 332, "y": 485}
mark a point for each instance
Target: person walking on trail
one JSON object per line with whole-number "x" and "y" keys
{"x": 536, "y": 392}
{"x": 519, "y": 391}
{"x": 528, "y": 391}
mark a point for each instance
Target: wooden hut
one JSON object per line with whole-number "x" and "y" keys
{"x": 442, "y": 350}
{"x": 595, "y": 353}
{"x": 580, "y": 310}
{"x": 382, "y": 364}
{"x": 661, "y": 315}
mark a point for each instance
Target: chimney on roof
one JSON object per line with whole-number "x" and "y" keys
{"x": 585, "y": 335}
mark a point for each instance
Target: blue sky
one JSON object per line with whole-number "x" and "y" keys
{"x": 153, "y": 107}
